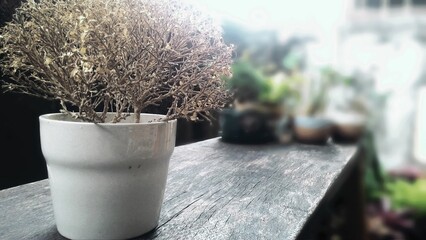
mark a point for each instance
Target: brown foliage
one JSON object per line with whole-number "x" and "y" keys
{"x": 123, "y": 55}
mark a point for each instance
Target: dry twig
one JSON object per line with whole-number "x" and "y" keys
{"x": 117, "y": 55}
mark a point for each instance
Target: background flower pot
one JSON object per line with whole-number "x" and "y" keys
{"x": 312, "y": 129}
{"x": 348, "y": 127}
{"x": 107, "y": 180}
{"x": 347, "y": 132}
{"x": 248, "y": 126}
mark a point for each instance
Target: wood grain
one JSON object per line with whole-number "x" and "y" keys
{"x": 215, "y": 190}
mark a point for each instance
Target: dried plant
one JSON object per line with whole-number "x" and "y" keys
{"x": 117, "y": 55}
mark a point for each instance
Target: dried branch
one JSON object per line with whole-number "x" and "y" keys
{"x": 117, "y": 55}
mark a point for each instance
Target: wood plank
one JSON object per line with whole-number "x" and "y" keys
{"x": 215, "y": 190}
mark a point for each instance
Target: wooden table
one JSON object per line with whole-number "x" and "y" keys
{"x": 215, "y": 190}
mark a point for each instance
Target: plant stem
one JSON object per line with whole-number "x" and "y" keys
{"x": 137, "y": 114}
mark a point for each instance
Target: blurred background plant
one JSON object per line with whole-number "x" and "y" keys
{"x": 251, "y": 84}
{"x": 396, "y": 206}
{"x": 363, "y": 70}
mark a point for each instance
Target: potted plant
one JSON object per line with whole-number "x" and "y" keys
{"x": 310, "y": 125}
{"x": 347, "y": 108}
{"x": 257, "y": 107}
{"x": 105, "y": 61}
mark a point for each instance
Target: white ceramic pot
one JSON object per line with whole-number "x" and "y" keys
{"x": 107, "y": 180}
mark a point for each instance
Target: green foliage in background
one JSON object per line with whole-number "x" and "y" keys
{"x": 402, "y": 193}
{"x": 374, "y": 176}
{"x": 246, "y": 81}
{"x": 280, "y": 90}
{"x": 332, "y": 77}
{"x": 251, "y": 84}
{"x": 405, "y": 194}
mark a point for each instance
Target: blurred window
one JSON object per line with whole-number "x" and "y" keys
{"x": 419, "y": 2}
{"x": 374, "y": 3}
{"x": 368, "y": 9}
{"x": 396, "y": 3}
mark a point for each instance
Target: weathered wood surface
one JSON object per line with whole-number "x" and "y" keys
{"x": 214, "y": 191}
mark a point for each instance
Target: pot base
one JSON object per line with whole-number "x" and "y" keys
{"x": 346, "y": 133}
{"x": 109, "y": 237}
{"x": 312, "y": 136}
{"x": 312, "y": 130}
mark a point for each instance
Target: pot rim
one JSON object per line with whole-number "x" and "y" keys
{"x": 48, "y": 117}
{"x": 312, "y": 122}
